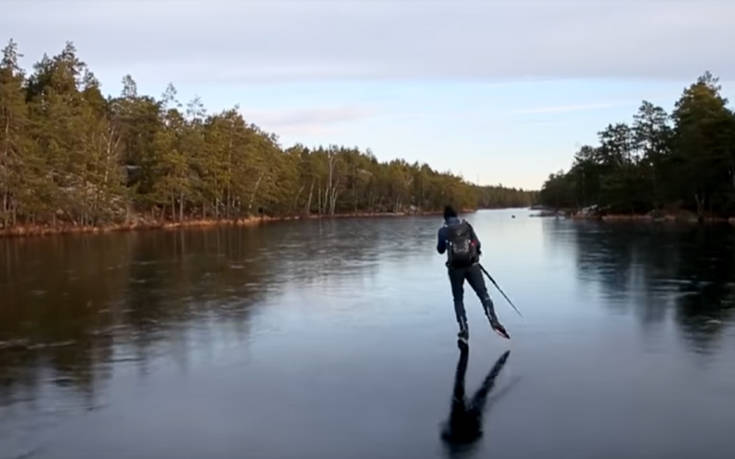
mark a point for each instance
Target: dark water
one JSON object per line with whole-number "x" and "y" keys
{"x": 333, "y": 339}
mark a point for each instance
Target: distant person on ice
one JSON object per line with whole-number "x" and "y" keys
{"x": 459, "y": 240}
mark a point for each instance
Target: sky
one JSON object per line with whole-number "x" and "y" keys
{"x": 499, "y": 92}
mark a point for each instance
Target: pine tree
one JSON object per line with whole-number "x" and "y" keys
{"x": 13, "y": 134}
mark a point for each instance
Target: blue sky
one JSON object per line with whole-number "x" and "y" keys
{"x": 499, "y": 92}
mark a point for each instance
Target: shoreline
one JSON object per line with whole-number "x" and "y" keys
{"x": 145, "y": 225}
{"x": 679, "y": 217}
{"x": 662, "y": 219}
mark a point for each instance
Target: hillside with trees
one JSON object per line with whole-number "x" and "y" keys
{"x": 73, "y": 157}
{"x": 661, "y": 162}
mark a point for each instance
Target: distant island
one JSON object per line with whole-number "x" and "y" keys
{"x": 678, "y": 165}
{"x": 71, "y": 158}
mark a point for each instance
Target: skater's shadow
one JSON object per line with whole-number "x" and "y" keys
{"x": 464, "y": 426}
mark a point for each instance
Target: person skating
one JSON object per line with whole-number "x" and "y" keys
{"x": 458, "y": 239}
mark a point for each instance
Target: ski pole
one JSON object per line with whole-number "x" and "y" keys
{"x": 499, "y": 289}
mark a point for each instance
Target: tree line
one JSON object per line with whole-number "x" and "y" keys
{"x": 662, "y": 162}
{"x": 69, "y": 155}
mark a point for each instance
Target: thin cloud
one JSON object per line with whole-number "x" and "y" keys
{"x": 568, "y": 108}
{"x": 308, "y": 121}
{"x": 312, "y": 115}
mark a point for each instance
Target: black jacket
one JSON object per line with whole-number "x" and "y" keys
{"x": 441, "y": 245}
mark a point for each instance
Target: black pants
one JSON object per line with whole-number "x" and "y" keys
{"x": 473, "y": 274}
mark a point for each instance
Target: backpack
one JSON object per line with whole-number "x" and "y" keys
{"x": 462, "y": 249}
